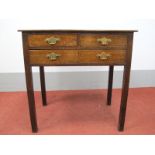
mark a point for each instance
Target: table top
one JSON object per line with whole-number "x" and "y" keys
{"x": 76, "y": 30}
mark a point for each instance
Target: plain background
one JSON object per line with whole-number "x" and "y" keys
{"x": 84, "y": 13}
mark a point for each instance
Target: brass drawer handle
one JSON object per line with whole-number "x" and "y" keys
{"x": 52, "y": 40}
{"x": 104, "y": 40}
{"x": 103, "y": 56}
{"x": 53, "y": 56}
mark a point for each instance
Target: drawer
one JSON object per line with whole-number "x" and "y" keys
{"x": 115, "y": 57}
{"x": 53, "y": 57}
{"x": 52, "y": 40}
{"x": 103, "y": 41}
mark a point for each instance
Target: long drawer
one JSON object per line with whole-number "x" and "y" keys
{"x": 78, "y": 57}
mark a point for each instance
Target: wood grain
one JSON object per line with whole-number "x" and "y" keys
{"x": 90, "y": 40}
{"x": 38, "y": 40}
{"x": 89, "y": 57}
{"x": 110, "y": 83}
{"x": 43, "y": 85}
{"x": 125, "y": 84}
{"x": 77, "y": 30}
{"x": 39, "y": 57}
{"x": 29, "y": 85}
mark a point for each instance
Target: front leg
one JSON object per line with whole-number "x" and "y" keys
{"x": 126, "y": 77}
{"x": 30, "y": 94}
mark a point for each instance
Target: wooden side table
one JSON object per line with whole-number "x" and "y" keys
{"x": 77, "y": 48}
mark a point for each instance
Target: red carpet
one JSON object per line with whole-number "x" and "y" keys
{"x": 79, "y": 112}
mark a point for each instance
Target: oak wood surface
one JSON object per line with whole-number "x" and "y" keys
{"x": 90, "y": 56}
{"x": 77, "y": 57}
{"x": 125, "y": 84}
{"x": 36, "y": 40}
{"x": 40, "y": 57}
{"x": 43, "y": 85}
{"x": 110, "y": 83}
{"x": 90, "y": 40}
{"x": 77, "y": 30}
{"x": 29, "y": 85}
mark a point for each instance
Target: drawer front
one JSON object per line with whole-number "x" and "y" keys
{"x": 52, "y": 40}
{"x": 103, "y": 41}
{"x": 53, "y": 57}
{"x": 115, "y": 57}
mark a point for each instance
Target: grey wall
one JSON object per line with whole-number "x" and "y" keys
{"x": 76, "y": 80}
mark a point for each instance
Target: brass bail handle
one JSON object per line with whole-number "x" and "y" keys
{"x": 53, "y": 56}
{"x": 104, "y": 40}
{"x": 103, "y": 56}
{"x": 52, "y": 40}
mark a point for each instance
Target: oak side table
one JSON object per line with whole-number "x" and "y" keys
{"x": 77, "y": 48}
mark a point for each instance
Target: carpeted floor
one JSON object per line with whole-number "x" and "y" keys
{"x": 79, "y": 112}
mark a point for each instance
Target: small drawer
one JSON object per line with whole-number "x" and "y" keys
{"x": 53, "y": 57}
{"x": 110, "y": 57}
{"x": 103, "y": 41}
{"x": 52, "y": 40}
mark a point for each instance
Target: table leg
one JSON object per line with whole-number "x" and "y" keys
{"x": 110, "y": 83}
{"x": 31, "y": 101}
{"x": 126, "y": 77}
{"x": 43, "y": 86}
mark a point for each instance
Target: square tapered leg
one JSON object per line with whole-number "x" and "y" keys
{"x": 31, "y": 100}
{"x": 43, "y": 86}
{"x": 110, "y": 83}
{"x": 122, "y": 114}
